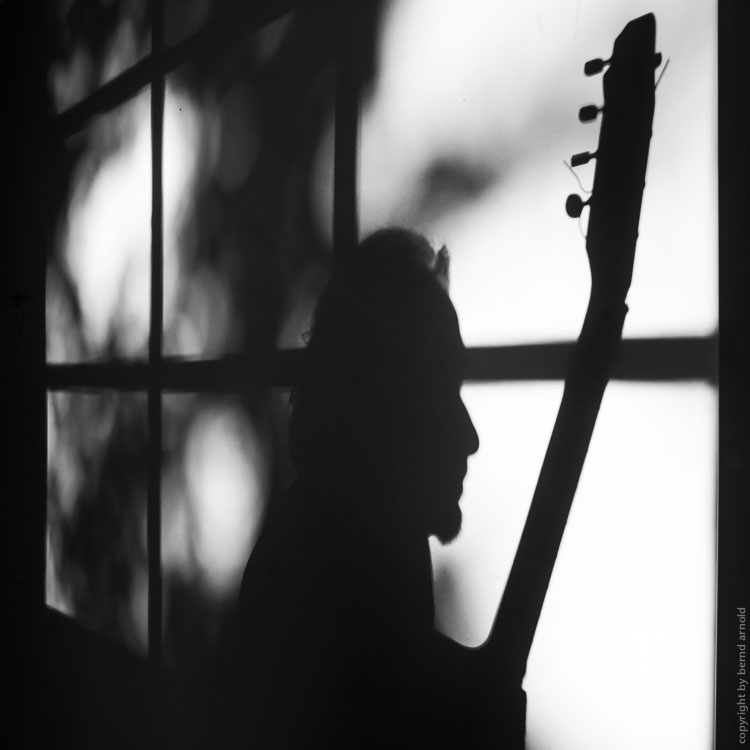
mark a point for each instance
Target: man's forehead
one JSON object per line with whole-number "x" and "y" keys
{"x": 442, "y": 322}
{"x": 434, "y": 350}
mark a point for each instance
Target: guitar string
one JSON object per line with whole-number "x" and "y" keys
{"x": 578, "y": 179}
{"x": 663, "y": 71}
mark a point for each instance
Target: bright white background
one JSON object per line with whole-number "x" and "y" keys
{"x": 623, "y": 656}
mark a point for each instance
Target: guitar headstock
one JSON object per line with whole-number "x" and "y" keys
{"x": 621, "y": 158}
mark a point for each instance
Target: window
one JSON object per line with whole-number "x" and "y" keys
{"x": 177, "y": 299}
{"x": 163, "y": 386}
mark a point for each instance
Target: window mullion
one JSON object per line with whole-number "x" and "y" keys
{"x": 346, "y": 136}
{"x": 155, "y": 352}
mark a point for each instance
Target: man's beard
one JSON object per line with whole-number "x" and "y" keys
{"x": 445, "y": 521}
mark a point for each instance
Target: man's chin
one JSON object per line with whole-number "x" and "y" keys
{"x": 446, "y": 523}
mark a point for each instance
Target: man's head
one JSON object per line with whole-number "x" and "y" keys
{"x": 381, "y": 414}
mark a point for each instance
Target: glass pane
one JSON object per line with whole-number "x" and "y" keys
{"x": 464, "y": 138}
{"x": 98, "y": 275}
{"x": 97, "y": 565}
{"x": 634, "y": 580}
{"x": 216, "y": 479}
{"x": 248, "y": 143}
{"x": 91, "y": 43}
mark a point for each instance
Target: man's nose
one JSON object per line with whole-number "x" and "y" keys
{"x": 472, "y": 438}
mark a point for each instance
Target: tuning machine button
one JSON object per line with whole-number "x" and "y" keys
{"x": 657, "y": 59}
{"x": 584, "y": 157}
{"x": 574, "y": 205}
{"x": 589, "y": 112}
{"x": 592, "y": 67}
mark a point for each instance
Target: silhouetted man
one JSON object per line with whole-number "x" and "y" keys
{"x": 335, "y": 642}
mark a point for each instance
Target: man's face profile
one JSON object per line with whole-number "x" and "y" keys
{"x": 433, "y": 432}
{"x": 391, "y": 428}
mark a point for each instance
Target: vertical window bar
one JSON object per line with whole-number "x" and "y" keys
{"x": 155, "y": 348}
{"x": 348, "y": 84}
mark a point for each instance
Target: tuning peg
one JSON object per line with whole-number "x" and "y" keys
{"x": 583, "y": 158}
{"x": 574, "y": 205}
{"x": 592, "y": 67}
{"x": 657, "y": 59}
{"x": 589, "y": 112}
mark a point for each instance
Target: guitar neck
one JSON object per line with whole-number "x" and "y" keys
{"x": 622, "y": 156}
{"x": 526, "y": 588}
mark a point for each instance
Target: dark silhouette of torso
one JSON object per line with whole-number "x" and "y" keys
{"x": 336, "y": 621}
{"x": 334, "y": 644}
{"x": 338, "y": 645}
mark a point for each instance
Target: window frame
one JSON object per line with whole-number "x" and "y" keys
{"x": 718, "y": 359}
{"x": 674, "y": 359}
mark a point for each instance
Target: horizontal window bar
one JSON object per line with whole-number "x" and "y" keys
{"x": 230, "y": 374}
{"x": 123, "y": 376}
{"x": 648, "y": 360}
{"x": 250, "y": 17}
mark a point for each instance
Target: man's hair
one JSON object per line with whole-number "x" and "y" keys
{"x": 366, "y": 345}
